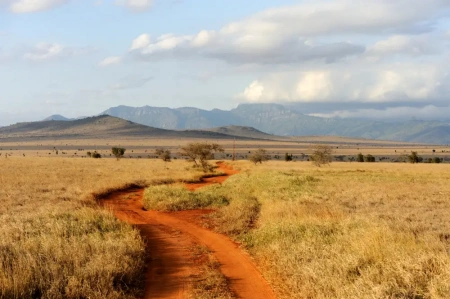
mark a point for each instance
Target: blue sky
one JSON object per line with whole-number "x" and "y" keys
{"x": 374, "y": 59}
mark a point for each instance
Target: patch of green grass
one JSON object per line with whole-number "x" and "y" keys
{"x": 177, "y": 198}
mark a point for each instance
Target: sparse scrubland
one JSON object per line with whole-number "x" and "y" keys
{"x": 343, "y": 231}
{"x": 348, "y": 230}
{"x": 56, "y": 242}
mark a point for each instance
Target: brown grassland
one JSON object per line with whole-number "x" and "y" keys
{"x": 348, "y": 230}
{"x": 55, "y": 242}
{"x": 351, "y": 230}
{"x": 144, "y": 148}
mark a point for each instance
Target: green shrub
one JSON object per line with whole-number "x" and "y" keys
{"x": 163, "y": 154}
{"x": 437, "y": 160}
{"x": 414, "y": 158}
{"x": 118, "y": 152}
{"x": 288, "y": 157}
{"x": 259, "y": 156}
{"x": 360, "y": 158}
{"x": 369, "y": 158}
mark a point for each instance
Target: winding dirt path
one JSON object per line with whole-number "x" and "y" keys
{"x": 222, "y": 167}
{"x": 170, "y": 237}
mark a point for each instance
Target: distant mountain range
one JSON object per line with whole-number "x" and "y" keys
{"x": 252, "y": 120}
{"x": 280, "y": 120}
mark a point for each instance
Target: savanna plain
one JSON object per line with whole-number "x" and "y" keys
{"x": 344, "y": 230}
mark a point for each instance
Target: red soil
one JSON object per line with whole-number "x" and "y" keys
{"x": 170, "y": 237}
{"x": 222, "y": 167}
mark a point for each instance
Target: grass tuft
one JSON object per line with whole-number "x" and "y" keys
{"x": 177, "y": 198}
{"x": 211, "y": 283}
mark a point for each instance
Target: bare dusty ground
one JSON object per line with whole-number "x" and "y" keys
{"x": 144, "y": 148}
{"x": 170, "y": 238}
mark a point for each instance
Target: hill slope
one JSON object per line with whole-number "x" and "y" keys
{"x": 242, "y": 131}
{"x": 103, "y": 126}
{"x": 56, "y": 117}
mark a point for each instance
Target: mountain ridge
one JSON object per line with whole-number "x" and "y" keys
{"x": 279, "y": 120}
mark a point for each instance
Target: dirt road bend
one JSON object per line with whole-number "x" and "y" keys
{"x": 170, "y": 236}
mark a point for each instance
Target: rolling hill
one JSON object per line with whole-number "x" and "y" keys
{"x": 242, "y": 131}
{"x": 56, "y": 117}
{"x": 103, "y": 126}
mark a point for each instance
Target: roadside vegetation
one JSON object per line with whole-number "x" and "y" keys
{"x": 259, "y": 156}
{"x": 177, "y": 198}
{"x": 210, "y": 283}
{"x": 200, "y": 152}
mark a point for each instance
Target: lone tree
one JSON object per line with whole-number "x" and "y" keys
{"x": 322, "y": 154}
{"x": 360, "y": 158}
{"x": 118, "y": 152}
{"x": 288, "y": 157}
{"x": 163, "y": 154}
{"x": 200, "y": 153}
{"x": 369, "y": 158}
{"x": 414, "y": 158}
{"x": 259, "y": 156}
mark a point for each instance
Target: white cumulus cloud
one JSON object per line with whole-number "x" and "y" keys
{"x": 29, "y": 6}
{"x": 136, "y": 5}
{"x": 140, "y": 42}
{"x": 44, "y": 51}
{"x": 374, "y": 83}
{"x": 112, "y": 60}
{"x": 308, "y": 31}
{"x": 403, "y": 44}
{"x": 49, "y": 51}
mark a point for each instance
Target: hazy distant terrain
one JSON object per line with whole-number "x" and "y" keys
{"x": 56, "y": 117}
{"x": 280, "y": 120}
{"x": 243, "y": 131}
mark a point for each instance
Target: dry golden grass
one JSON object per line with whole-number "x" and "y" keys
{"x": 351, "y": 230}
{"x": 210, "y": 283}
{"x": 176, "y": 197}
{"x": 55, "y": 242}
{"x": 355, "y": 231}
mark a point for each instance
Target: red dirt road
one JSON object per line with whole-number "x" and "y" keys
{"x": 170, "y": 236}
{"x": 222, "y": 167}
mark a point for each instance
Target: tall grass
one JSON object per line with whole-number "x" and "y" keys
{"x": 344, "y": 231}
{"x": 55, "y": 242}
{"x": 349, "y": 231}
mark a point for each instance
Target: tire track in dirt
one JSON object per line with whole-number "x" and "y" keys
{"x": 170, "y": 236}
